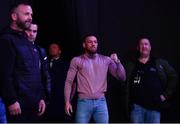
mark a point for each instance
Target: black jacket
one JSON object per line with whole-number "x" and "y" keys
{"x": 58, "y": 73}
{"x": 20, "y": 75}
{"x": 46, "y": 77}
{"x": 166, "y": 74}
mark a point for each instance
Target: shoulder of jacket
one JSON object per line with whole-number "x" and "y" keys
{"x": 161, "y": 61}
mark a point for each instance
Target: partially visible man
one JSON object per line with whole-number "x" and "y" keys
{"x": 46, "y": 79}
{"x": 32, "y": 32}
{"x": 58, "y": 69}
{"x": 3, "y": 119}
{"x": 20, "y": 76}
{"x": 91, "y": 69}
{"x": 151, "y": 82}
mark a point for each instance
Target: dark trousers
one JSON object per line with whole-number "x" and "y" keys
{"x": 27, "y": 116}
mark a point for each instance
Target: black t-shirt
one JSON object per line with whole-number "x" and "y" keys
{"x": 146, "y": 86}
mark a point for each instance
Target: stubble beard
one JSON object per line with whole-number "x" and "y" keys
{"x": 24, "y": 25}
{"x": 91, "y": 52}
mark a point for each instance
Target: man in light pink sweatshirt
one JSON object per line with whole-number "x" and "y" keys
{"x": 91, "y": 69}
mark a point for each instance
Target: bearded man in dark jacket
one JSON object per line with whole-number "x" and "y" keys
{"x": 20, "y": 75}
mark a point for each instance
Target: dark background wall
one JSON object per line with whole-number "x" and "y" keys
{"x": 118, "y": 25}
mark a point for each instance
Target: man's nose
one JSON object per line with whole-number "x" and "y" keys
{"x": 31, "y": 33}
{"x": 93, "y": 43}
{"x": 30, "y": 18}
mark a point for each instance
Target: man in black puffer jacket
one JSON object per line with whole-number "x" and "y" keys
{"x": 20, "y": 75}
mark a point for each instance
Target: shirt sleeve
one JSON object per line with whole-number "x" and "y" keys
{"x": 117, "y": 70}
{"x": 70, "y": 79}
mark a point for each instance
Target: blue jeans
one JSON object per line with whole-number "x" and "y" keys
{"x": 96, "y": 108}
{"x": 142, "y": 115}
{"x": 2, "y": 112}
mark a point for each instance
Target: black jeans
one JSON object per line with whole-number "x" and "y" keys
{"x": 27, "y": 116}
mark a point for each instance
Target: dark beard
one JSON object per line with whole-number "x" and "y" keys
{"x": 23, "y": 25}
{"x": 91, "y": 52}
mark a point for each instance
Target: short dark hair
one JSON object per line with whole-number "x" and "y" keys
{"x": 17, "y": 3}
{"x": 87, "y": 35}
{"x": 58, "y": 44}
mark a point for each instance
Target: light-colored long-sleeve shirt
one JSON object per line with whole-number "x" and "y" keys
{"x": 91, "y": 75}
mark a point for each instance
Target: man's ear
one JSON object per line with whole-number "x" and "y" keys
{"x": 83, "y": 45}
{"x": 59, "y": 51}
{"x": 14, "y": 16}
